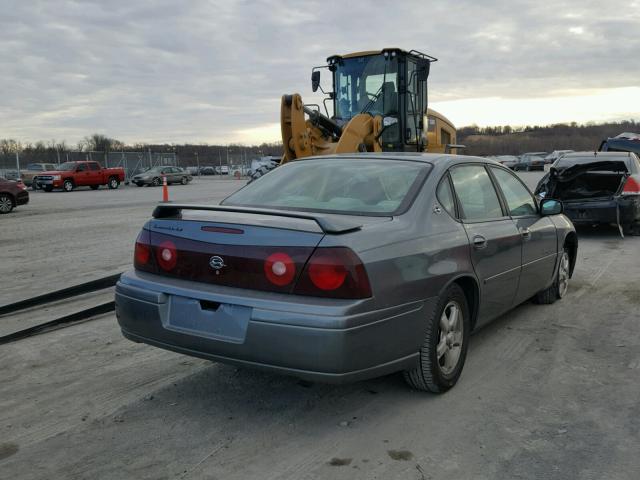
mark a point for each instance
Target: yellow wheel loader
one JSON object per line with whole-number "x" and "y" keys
{"x": 379, "y": 103}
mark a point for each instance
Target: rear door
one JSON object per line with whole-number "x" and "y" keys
{"x": 495, "y": 243}
{"x": 95, "y": 174}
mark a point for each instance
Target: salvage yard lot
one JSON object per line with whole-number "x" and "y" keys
{"x": 547, "y": 391}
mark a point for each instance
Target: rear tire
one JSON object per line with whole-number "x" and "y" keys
{"x": 113, "y": 183}
{"x": 68, "y": 185}
{"x": 6, "y": 203}
{"x": 184, "y": 180}
{"x": 560, "y": 284}
{"x": 444, "y": 349}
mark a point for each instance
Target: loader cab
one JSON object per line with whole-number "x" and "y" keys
{"x": 391, "y": 83}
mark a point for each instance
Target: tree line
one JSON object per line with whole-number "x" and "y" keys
{"x": 491, "y": 140}
{"x": 507, "y": 140}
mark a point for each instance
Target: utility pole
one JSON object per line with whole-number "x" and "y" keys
{"x": 197, "y": 162}
{"x": 18, "y": 163}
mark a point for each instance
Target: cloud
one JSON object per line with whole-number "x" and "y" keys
{"x": 214, "y": 71}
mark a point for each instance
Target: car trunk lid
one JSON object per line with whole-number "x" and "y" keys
{"x": 595, "y": 181}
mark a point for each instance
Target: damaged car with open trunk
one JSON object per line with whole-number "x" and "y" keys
{"x": 597, "y": 188}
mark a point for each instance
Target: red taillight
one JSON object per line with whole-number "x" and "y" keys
{"x": 280, "y": 269}
{"x": 327, "y": 272}
{"x": 631, "y": 187}
{"x": 142, "y": 250}
{"x": 334, "y": 272}
{"x": 167, "y": 255}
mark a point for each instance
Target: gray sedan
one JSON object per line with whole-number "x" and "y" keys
{"x": 341, "y": 268}
{"x": 154, "y": 175}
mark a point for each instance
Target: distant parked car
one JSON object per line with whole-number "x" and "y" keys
{"x": 555, "y": 155}
{"x": 529, "y": 161}
{"x": 12, "y": 194}
{"x": 32, "y": 171}
{"x": 207, "y": 171}
{"x": 11, "y": 174}
{"x": 70, "y": 175}
{"x": 625, "y": 142}
{"x": 154, "y": 175}
{"x": 507, "y": 160}
{"x": 602, "y": 188}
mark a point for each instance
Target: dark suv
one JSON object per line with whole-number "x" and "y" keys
{"x": 12, "y": 194}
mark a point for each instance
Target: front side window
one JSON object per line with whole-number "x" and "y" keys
{"x": 478, "y": 197}
{"x": 366, "y": 84}
{"x": 519, "y": 200}
{"x": 81, "y": 167}
{"x": 345, "y": 186}
{"x": 94, "y": 166}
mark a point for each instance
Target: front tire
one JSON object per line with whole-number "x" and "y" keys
{"x": 6, "y": 203}
{"x": 444, "y": 349}
{"x": 68, "y": 185}
{"x": 113, "y": 183}
{"x": 560, "y": 285}
{"x": 156, "y": 182}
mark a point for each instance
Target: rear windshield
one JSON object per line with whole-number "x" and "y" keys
{"x": 346, "y": 186}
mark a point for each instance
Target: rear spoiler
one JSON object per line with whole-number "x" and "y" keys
{"x": 328, "y": 224}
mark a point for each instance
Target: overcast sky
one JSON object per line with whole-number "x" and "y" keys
{"x": 214, "y": 71}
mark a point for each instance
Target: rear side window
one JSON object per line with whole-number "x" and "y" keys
{"x": 445, "y": 196}
{"x": 519, "y": 200}
{"x": 478, "y": 197}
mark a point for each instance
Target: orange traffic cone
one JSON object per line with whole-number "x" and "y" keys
{"x": 165, "y": 190}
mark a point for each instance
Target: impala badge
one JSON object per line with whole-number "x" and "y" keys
{"x": 216, "y": 263}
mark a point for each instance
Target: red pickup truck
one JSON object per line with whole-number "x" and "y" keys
{"x": 70, "y": 175}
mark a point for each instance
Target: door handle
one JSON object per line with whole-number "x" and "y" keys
{"x": 526, "y": 233}
{"x": 479, "y": 242}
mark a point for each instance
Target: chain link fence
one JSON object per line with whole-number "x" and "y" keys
{"x": 132, "y": 162}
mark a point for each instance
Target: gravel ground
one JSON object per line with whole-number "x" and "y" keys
{"x": 549, "y": 392}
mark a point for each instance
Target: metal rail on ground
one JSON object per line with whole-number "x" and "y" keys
{"x": 92, "y": 286}
{"x": 65, "y": 320}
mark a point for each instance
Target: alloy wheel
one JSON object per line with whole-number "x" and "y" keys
{"x": 563, "y": 275}
{"x": 450, "y": 338}
{"x": 5, "y": 204}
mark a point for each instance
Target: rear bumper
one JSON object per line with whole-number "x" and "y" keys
{"x": 604, "y": 211}
{"x": 309, "y": 339}
{"x": 22, "y": 198}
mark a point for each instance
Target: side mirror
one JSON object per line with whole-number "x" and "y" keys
{"x": 315, "y": 80}
{"x": 550, "y": 206}
{"x": 423, "y": 70}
